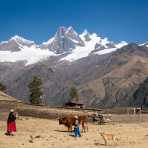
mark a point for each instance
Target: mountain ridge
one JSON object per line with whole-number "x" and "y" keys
{"x": 66, "y": 41}
{"x": 106, "y": 74}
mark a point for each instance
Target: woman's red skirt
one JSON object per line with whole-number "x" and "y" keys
{"x": 11, "y": 127}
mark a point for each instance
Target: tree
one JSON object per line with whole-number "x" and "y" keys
{"x": 2, "y": 87}
{"x": 74, "y": 93}
{"x": 35, "y": 90}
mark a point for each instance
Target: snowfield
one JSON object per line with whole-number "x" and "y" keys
{"x": 29, "y": 54}
{"x": 81, "y": 52}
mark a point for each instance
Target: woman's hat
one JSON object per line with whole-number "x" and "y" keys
{"x": 11, "y": 110}
{"x": 76, "y": 117}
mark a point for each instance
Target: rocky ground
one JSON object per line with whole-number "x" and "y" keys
{"x": 44, "y": 133}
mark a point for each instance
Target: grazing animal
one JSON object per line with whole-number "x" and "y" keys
{"x": 106, "y": 137}
{"x": 83, "y": 121}
{"x": 69, "y": 121}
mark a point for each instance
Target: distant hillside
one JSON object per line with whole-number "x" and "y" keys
{"x": 108, "y": 80}
{"x": 5, "y": 97}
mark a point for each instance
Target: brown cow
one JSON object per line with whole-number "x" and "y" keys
{"x": 83, "y": 121}
{"x": 69, "y": 121}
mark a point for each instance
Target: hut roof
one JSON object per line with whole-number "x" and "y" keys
{"x": 74, "y": 103}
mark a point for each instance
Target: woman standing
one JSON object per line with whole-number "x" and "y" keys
{"x": 11, "y": 125}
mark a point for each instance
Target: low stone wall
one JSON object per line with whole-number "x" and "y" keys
{"x": 115, "y": 115}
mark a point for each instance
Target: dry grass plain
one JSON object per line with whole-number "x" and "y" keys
{"x": 44, "y": 133}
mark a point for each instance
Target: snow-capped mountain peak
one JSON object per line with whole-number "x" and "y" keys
{"x": 85, "y": 35}
{"x": 84, "y": 32}
{"x": 20, "y": 49}
{"x": 71, "y": 32}
{"x": 21, "y": 40}
{"x": 17, "y": 37}
{"x": 121, "y": 44}
{"x": 70, "y": 29}
{"x": 15, "y": 43}
{"x": 63, "y": 41}
{"x": 93, "y": 44}
{"x": 66, "y": 42}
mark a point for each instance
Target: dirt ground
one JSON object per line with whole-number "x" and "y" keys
{"x": 44, "y": 133}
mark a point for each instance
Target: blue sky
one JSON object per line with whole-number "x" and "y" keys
{"x": 38, "y": 19}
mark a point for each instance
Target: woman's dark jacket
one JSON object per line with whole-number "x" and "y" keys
{"x": 11, "y": 118}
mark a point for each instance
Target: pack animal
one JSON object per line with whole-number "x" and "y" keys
{"x": 69, "y": 121}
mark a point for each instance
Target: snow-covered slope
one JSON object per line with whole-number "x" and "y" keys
{"x": 66, "y": 41}
{"x": 20, "y": 49}
{"x": 93, "y": 44}
{"x": 144, "y": 44}
{"x": 30, "y": 55}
